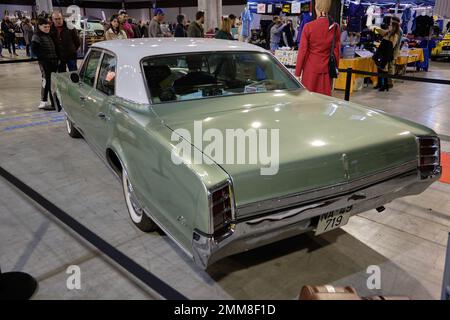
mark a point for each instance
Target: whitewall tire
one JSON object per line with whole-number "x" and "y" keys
{"x": 137, "y": 214}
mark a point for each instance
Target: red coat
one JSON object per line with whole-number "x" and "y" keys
{"x": 314, "y": 54}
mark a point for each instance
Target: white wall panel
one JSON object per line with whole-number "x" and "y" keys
{"x": 139, "y": 14}
{"x": 12, "y": 7}
{"x": 96, "y": 12}
{"x": 236, "y": 10}
{"x": 171, "y": 15}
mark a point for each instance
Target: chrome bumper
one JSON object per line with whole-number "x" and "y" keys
{"x": 271, "y": 227}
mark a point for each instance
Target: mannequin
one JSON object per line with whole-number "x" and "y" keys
{"x": 407, "y": 19}
{"x": 335, "y": 11}
{"x": 247, "y": 18}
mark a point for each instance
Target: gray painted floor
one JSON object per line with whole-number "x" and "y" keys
{"x": 407, "y": 241}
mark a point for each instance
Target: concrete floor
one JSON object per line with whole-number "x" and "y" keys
{"x": 407, "y": 241}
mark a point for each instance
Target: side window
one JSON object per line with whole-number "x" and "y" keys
{"x": 89, "y": 69}
{"x": 107, "y": 76}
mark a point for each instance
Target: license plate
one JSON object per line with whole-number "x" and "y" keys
{"x": 333, "y": 220}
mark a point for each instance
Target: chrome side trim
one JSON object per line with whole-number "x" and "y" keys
{"x": 160, "y": 225}
{"x": 287, "y": 201}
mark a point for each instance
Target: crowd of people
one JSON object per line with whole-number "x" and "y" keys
{"x": 55, "y": 45}
{"x": 121, "y": 26}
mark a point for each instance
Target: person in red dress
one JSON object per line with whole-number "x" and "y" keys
{"x": 315, "y": 48}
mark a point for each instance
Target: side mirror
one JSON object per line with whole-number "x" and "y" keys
{"x": 75, "y": 77}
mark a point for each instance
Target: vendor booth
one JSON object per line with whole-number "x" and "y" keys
{"x": 260, "y": 14}
{"x": 362, "y": 24}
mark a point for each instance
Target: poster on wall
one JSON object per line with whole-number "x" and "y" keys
{"x": 296, "y": 8}
{"x": 286, "y": 8}
{"x": 261, "y": 8}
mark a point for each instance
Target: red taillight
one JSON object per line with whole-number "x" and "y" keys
{"x": 221, "y": 210}
{"x": 429, "y": 157}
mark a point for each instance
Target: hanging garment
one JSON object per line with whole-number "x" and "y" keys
{"x": 413, "y": 26}
{"x": 356, "y": 12}
{"x": 406, "y": 17}
{"x": 423, "y": 26}
{"x": 373, "y": 16}
{"x": 306, "y": 17}
{"x": 247, "y": 18}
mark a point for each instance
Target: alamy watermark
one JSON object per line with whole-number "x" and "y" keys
{"x": 374, "y": 280}
{"x": 255, "y": 146}
{"x": 73, "y": 281}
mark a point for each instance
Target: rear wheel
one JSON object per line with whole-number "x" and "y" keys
{"x": 137, "y": 214}
{"x": 71, "y": 130}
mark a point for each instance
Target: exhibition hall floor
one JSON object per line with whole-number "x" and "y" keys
{"x": 407, "y": 241}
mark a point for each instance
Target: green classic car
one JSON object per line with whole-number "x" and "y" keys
{"x": 218, "y": 145}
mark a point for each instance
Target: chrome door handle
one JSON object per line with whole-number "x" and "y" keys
{"x": 103, "y": 116}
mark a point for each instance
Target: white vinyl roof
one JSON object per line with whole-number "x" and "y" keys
{"x": 129, "y": 53}
{"x": 144, "y": 47}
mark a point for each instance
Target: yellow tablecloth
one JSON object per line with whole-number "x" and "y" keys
{"x": 414, "y": 55}
{"x": 362, "y": 64}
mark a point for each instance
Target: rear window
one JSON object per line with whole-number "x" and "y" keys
{"x": 202, "y": 75}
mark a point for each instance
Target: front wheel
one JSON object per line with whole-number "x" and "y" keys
{"x": 137, "y": 214}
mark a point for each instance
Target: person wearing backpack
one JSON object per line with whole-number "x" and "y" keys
{"x": 319, "y": 51}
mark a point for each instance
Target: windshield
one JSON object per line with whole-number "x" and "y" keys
{"x": 202, "y": 75}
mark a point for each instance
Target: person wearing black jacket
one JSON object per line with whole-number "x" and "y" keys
{"x": 143, "y": 29}
{"x": 136, "y": 29}
{"x": 180, "y": 29}
{"x": 45, "y": 50}
{"x": 10, "y": 36}
{"x": 66, "y": 42}
{"x": 287, "y": 39}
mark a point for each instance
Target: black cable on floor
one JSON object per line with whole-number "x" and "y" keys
{"x": 152, "y": 281}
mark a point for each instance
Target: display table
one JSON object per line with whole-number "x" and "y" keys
{"x": 361, "y": 64}
{"x": 406, "y": 57}
{"x": 289, "y": 59}
{"x": 410, "y": 56}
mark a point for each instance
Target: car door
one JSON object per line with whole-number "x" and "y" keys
{"x": 88, "y": 76}
{"x": 98, "y": 102}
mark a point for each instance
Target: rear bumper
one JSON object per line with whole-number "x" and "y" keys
{"x": 258, "y": 231}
